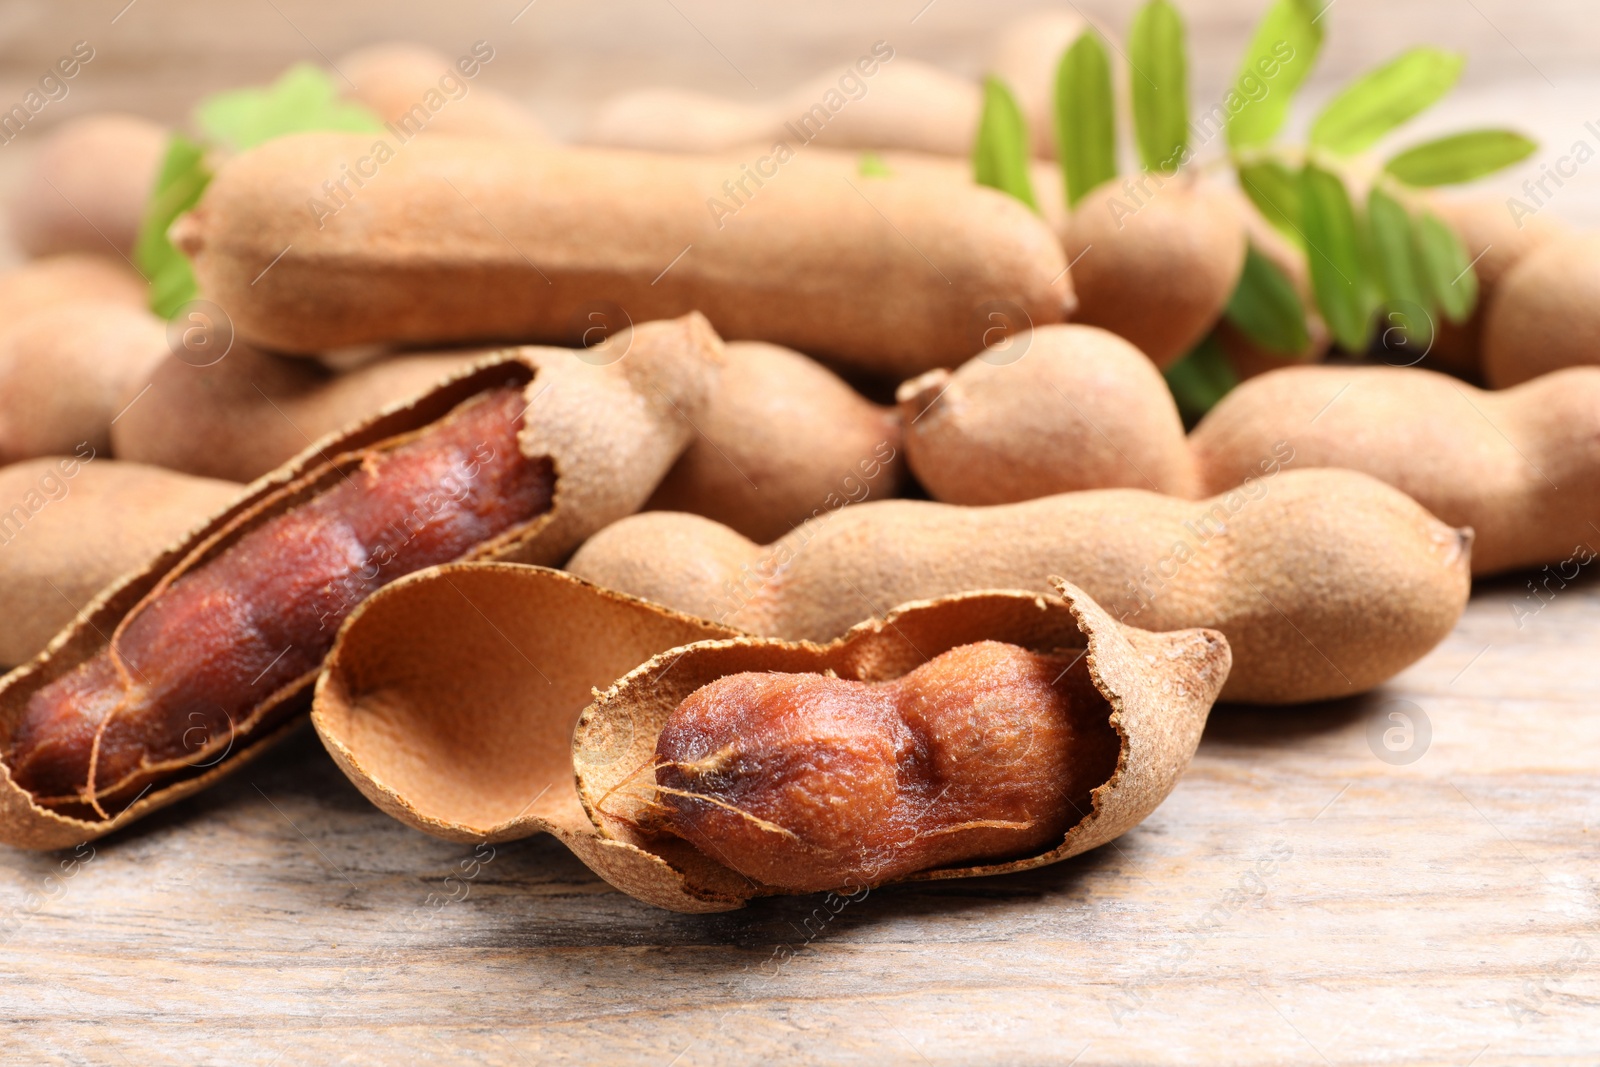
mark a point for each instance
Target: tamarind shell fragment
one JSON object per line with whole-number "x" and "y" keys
{"x": 451, "y": 698}
{"x": 609, "y": 432}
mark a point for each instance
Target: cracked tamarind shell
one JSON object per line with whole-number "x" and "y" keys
{"x": 451, "y": 698}
{"x": 610, "y": 431}
{"x": 1153, "y": 691}
{"x": 1326, "y": 582}
{"x": 1080, "y": 409}
{"x": 466, "y": 240}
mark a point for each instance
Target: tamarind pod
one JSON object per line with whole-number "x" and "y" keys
{"x": 1542, "y": 316}
{"x": 56, "y": 546}
{"x": 1155, "y": 260}
{"x": 1496, "y": 243}
{"x": 604, "y": 433}
{"x": 1025, "y": 54}
{"x": 1521, "y": 467}
{"x": 69, "y": 278}
{"x": 1326, "y": 582}
{"x": 396, "y": 79}
{"x": 1061, "y": 409}
{"x": 475, "y": 239}
{"x": 87, "y": 187}
{"x": 902, "y": 104}
{"x": 1138, "y": 702}
{"x": 783, "y": 438}
{"x": 251, "y": 411}
{"x": 64, "y": 373}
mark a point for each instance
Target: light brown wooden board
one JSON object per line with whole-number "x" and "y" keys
{"x": 1427, "y": 913}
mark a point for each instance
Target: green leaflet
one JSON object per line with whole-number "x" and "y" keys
{"x": 1460, "y": 157}
{"x": 1200, "y": 379}
{"x": 1275, "y": 191}
{"x": 871, "y": 165}
{"x": 1336, "y": 253}
{"x": 1446, "y": 268}
{"x": 1000, "y": 152}
{"x": 304, "y": 98}
{"x": 1086, "y": 126}
{"x": 181, "y": 180}
{"x": 1280, "y": 56}
{"x": 1159, "y": 77}
{"x": 1385, "y": 98}
{"x": 1395, "y": 253}
{"x": 1266, "y": 308}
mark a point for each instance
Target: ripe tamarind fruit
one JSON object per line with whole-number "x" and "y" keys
{"x": 473, "y": 239}
{"x": 183, "y": 669}
{"x": 1079, "y": 408}
{"x": 1521, "y": 467}
{"x": 87, "y": 188}
{"x": 807, "y": 782}
{"x": 969, "y": 735}
{"x": 1545, "y": 313}
{"x": 1495, "y": 242}
{"x": 876, "y": 102}
{"x": 251, "y": 411}
{"x": 71, "y": 278}
{"x": 55, "y": 549}
{"x": 1155, "y": 260}
{"x": 65, "y": 371}
{"x": 396, "y": 79}
{"x": 783, "y": 439}
{"x": 1326, "y": 582}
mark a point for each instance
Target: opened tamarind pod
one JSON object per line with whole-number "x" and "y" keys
{"x": 193, "y": 664}
{"x": 65, "y": 370}
{"x": 1326, "y": 582}
{"x": 1025, "y": 54}
{"x": 70, "y": 525}
{"x": 475, "y": 239}
{"x": 87, "y": 187}
{"x": 1520, "y": 466}
{"x": 1053, "y": 411}
{"x": 250, "y": 411}
{"x": 1495, "y": 242}
{"x": 419, "y": 89}
{"x": 753, "y": 765}
{"x": 1155, "y": 259}
{"x": 67, "y": 279}
{"x": 1545, "y": 313}
{"x": 782, "y": 439}
{"x": 877, "y": 101}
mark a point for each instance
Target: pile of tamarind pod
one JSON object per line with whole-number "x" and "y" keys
{"x": 1520, "y": 467}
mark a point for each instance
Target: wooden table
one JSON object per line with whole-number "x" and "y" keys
{"x": 1297, "y": 900}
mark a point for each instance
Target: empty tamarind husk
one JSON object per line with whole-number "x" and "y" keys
{"x": 464, "y": 240}
{"x": 581, "y": 442}
{"x": 1153, "y": 691}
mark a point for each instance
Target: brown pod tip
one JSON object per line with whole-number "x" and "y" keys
{"x": 973, "y": 734}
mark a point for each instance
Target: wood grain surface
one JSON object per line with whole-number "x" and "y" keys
{"x": 1298, "y": 900}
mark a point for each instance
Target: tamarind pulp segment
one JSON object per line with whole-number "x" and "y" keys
{"x": 1153, "y": 690}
